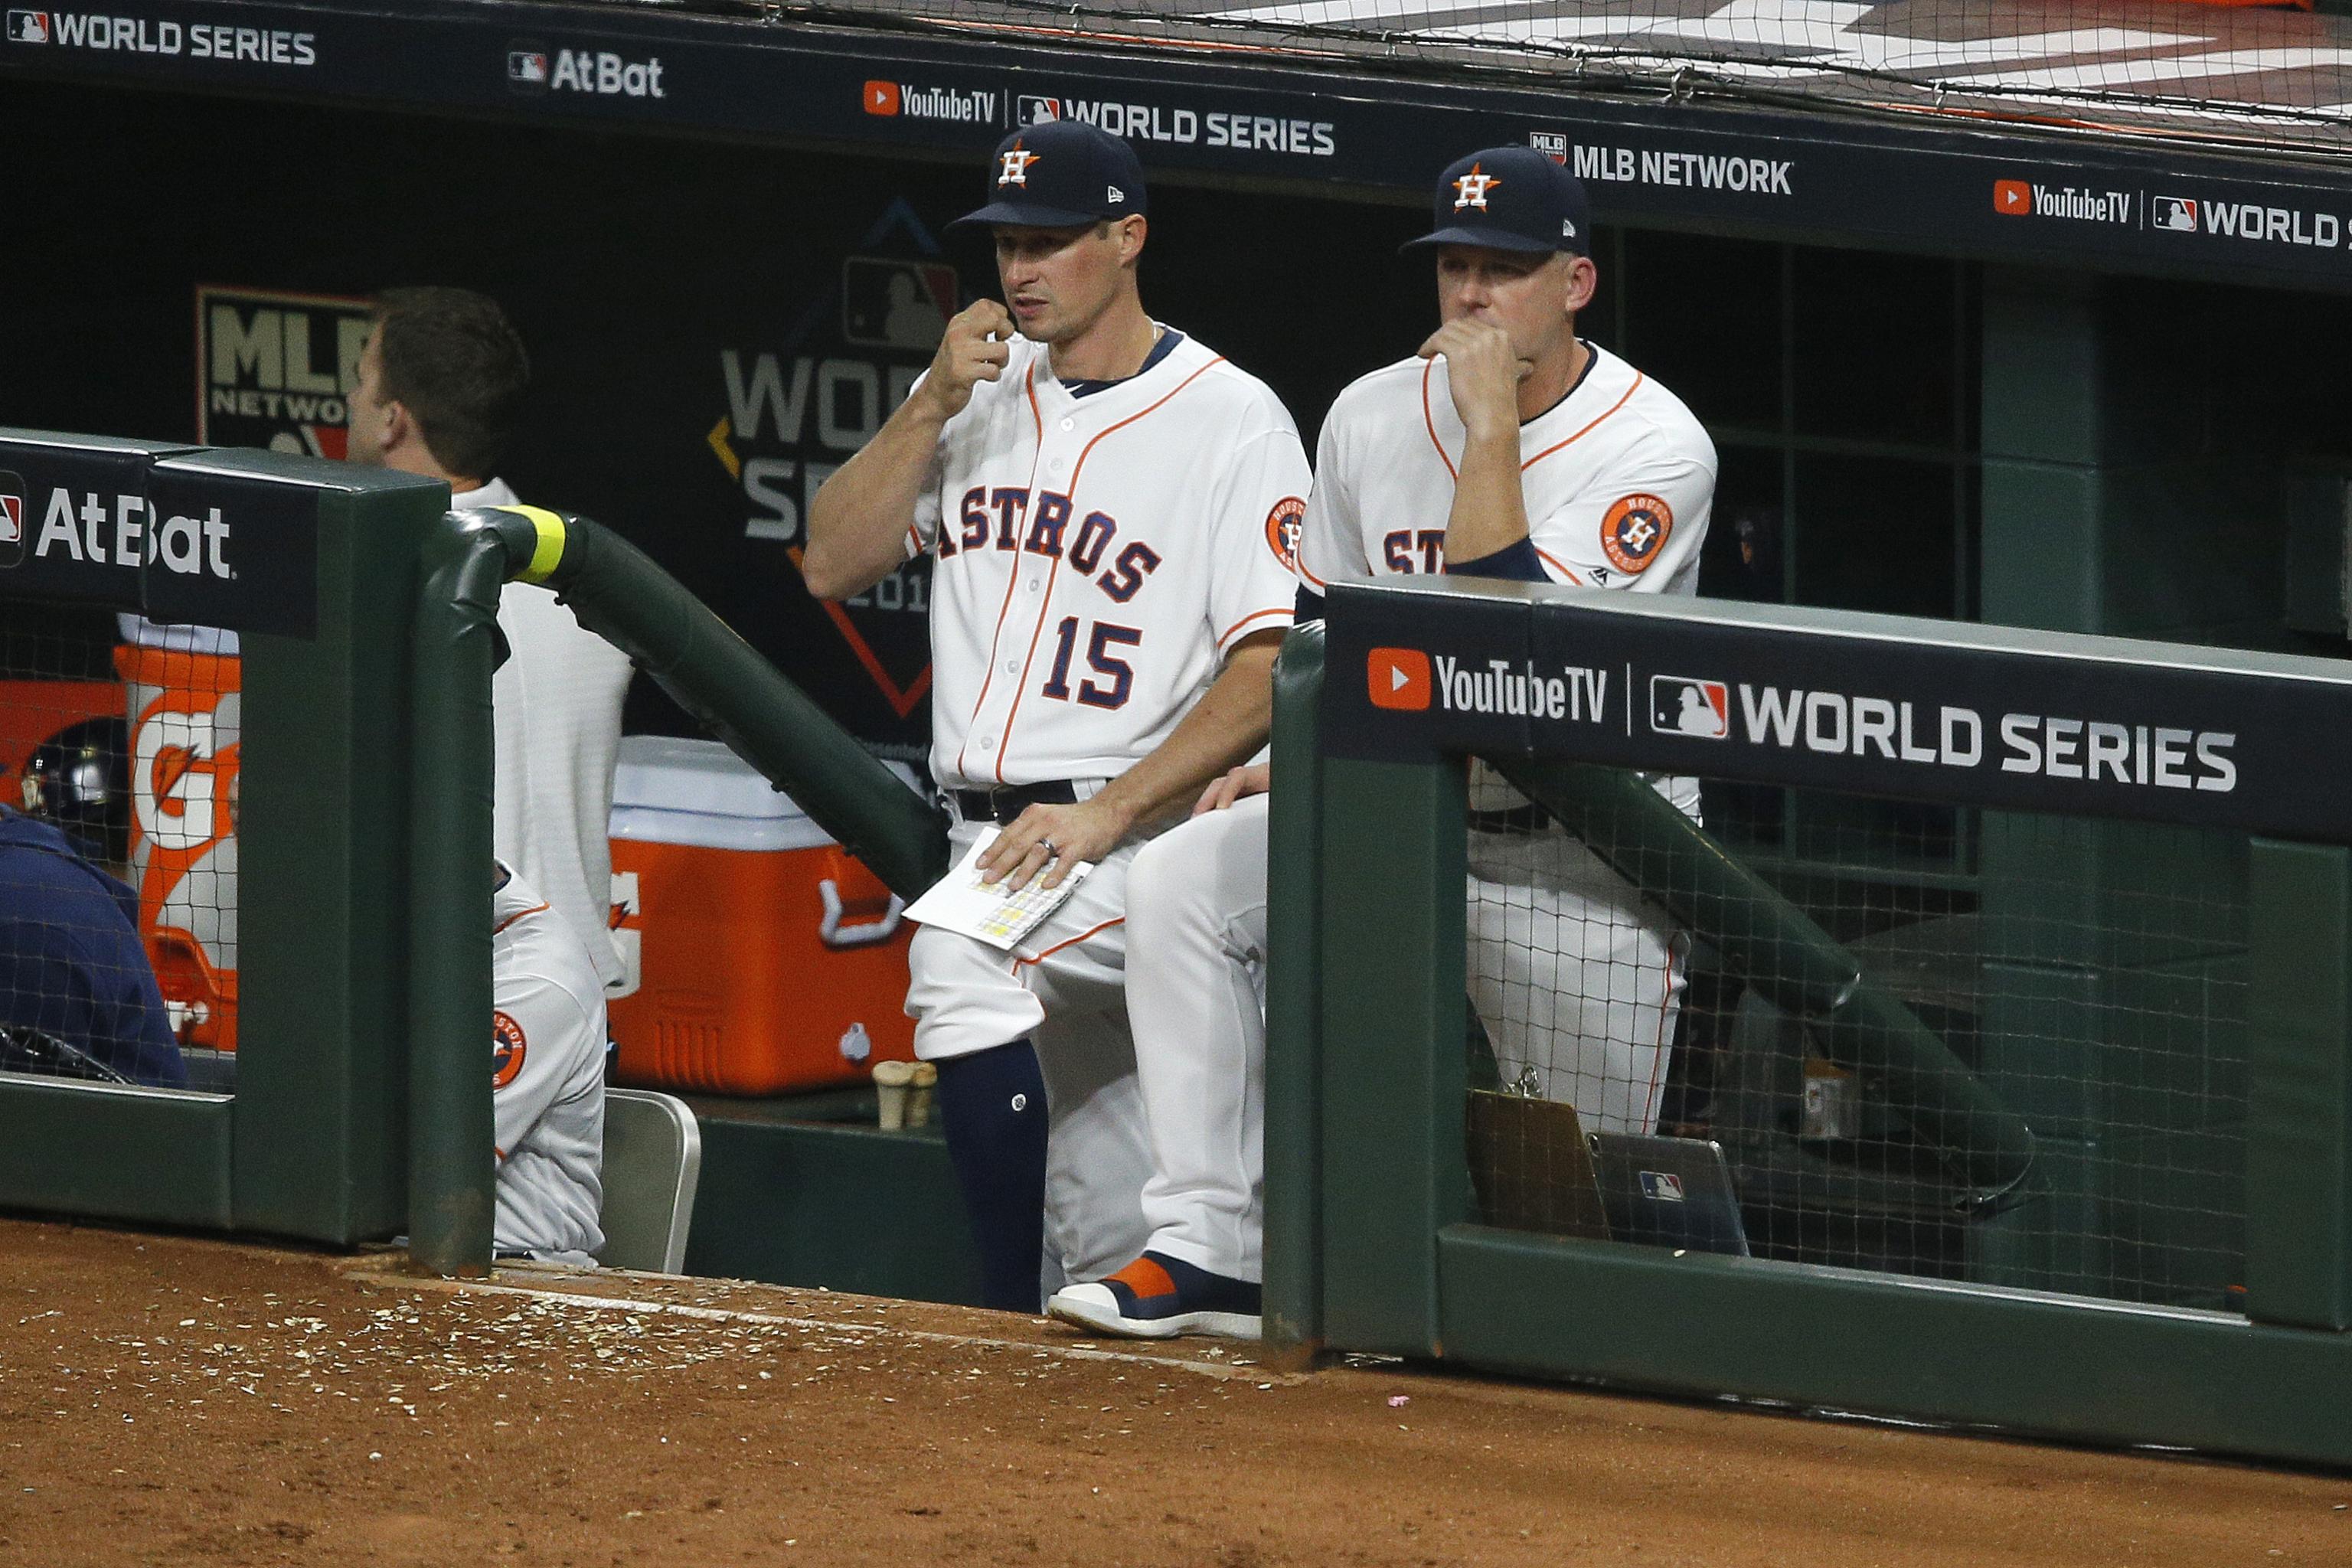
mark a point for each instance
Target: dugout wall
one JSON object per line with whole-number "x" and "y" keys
{"x": 1381, "y": 1244}
{"x": 315, "y": 564}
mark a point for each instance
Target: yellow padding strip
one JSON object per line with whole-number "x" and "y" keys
{"x": 548, "y": 551}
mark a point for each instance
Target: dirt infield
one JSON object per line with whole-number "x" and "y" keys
{"x": 173, "y": 1400}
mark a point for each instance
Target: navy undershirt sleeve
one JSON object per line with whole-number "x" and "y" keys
{"x": 1518, "y": 562}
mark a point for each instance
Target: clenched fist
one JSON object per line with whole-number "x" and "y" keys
{"x": 1483, "y": 373}
{"x": 974, "y": 350}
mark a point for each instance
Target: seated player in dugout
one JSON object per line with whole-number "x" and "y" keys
{"x": 1505, "y": 446}
{"x": 441, "y": 382}
{"x": 547, "y": 1080}
{"x": 1103, "y": 495}
{"x": 72, "y": 967}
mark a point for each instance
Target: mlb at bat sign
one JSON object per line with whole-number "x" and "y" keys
{"x": 276, "y": 370}
{"x": 156, "y": 528}
{"x": 1866, "y": 705}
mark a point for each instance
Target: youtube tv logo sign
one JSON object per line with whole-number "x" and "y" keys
{"x": 2010, "y": 198}
{"x": 1398, "y": 678}
{"x": 882, "y": 98}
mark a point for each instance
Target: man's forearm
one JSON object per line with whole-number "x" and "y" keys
{"x": 1227, "y": 726}
{"x": 858, "y": 521}
{"x": 1490, "y": 511}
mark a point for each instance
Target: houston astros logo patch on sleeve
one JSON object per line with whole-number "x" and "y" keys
{"x": 507, "y": 1049}
{"x": 1283, "y": 525}
{"x": 1633, "y": 530}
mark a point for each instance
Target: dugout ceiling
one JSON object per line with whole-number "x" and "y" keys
{"x": 1301, "y": 119}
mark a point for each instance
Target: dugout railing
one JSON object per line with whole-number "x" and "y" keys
{"x": 2167, "y": 927}
{"x": 363, "y": 615}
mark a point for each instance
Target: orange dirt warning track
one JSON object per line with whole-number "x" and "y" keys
{"x": 184, "y": 1401}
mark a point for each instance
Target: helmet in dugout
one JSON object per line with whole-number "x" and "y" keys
{"x": 79, "y": 779}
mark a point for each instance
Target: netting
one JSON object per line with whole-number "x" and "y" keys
{"x": 2269, "y": 74}
{"x": 119, "y": 758}
{"x": 2085, "y": 978}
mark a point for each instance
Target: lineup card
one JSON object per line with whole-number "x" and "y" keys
{"x": 990, "y": 912}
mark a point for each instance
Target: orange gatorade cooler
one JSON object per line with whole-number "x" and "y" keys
{"x": 186, "y": 713}
{"x": 761, "y": 957}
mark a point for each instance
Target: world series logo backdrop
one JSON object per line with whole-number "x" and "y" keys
{"x": 800, "y": 406}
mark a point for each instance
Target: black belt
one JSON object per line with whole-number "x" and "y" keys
{"x": 1517, "y": 819}
{"x": 1007, "y": 802}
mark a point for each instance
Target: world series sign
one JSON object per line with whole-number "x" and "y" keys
{"x": 1877, "y": 705}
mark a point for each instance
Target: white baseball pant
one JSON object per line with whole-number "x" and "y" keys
{"x": 1577, "y": 978}
{"x": 1196, "y": 923}
{"x": 1065, "y": 988}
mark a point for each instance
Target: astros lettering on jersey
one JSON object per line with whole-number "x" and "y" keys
{"x": 1098, "y": 558}
{"x": 1618, "y": 479}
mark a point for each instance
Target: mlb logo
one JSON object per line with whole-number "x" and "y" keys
{"x": 527, "y": 70}
{"x": 2178, "y": 213}
{"x": 28, "y": 26}
{"x": 1032, "y": 110}
{"x": 1662, "y": 1186}
{"x": 11, "y": 520}
{"x": 1552, "y": 144}
{"x": 1680, "y": 705}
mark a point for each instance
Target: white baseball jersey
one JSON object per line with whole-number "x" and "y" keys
{"x": 1577, "y": 978}
{"x": 556, "y": 730}
{"x": 1618, "y": 479}
{"x": 1098, "y": 557}
{"x": 547, "y": 1076}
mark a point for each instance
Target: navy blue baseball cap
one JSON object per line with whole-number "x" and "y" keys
{"x": 1060, "y": 173}
{"x": 1511, "y": 198}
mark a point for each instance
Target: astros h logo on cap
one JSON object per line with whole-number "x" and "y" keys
{"x": 1060, "y": 173}
{"x": 1474, "y": 187}
{"x": 1511, "y": 198}
{"x": 1013, "y": 168}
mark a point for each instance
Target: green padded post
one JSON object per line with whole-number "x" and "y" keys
{"x": 1293, "y": 1307}
{"x": 1394, "y": 870}
{"x": 2299, "y": 1085}
{"x": 320, "y": 1118}
{"x": 452, "y": 1160}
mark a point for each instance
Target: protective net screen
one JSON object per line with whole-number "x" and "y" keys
{"x": 1831, "y": 1056}
{"x": 119, "y": 755}
{"x": 2271, "y": 74}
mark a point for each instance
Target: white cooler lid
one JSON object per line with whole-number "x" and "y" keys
{"x": 670, "y": 789}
